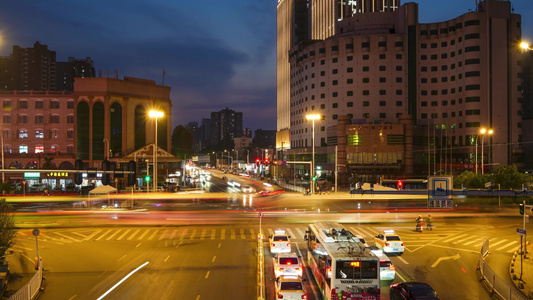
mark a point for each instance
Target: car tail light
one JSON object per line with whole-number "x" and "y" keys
{"x": 289, "y": 263}
{"x": 392, "y": 268}
{"x": 328, "y": 269}
{"x": 297, "y": 269}
{"x": 273, "y": 245}
{"x": 288, "y": 244}
{"x": 304, "y": 296}
{"x": 280, "y": 296}
{"x": 387, "y": 244}
{"x": 402, "y": 244}
{"x": 280, "y": 269}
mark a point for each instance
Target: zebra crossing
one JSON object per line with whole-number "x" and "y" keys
{"x": 455, "y": 237}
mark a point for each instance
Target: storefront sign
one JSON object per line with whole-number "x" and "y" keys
{"x": 57, "y": 174}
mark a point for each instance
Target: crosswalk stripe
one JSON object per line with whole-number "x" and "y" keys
{"x": 300, "y": 232}
{"x": 223, "y": 234}
{"x": 79, "y": 234}
{"x": 153, "y": 234}
{"x": 232, "y": 234}
{"x": 359, "y": 233}
{"x": 93, "y": 234}
{"x": 497, "y": 243}
{"x": 243, "y": 237}
{"x": 133, "y": 234}
{"x": 193, "y": 234}
{"x": 454, "y": 238}
{"x": 473, "y": 241}
{"x": 103, "y": 234}
{"x": 507, "y": 245}
{"x": 213, "y": 233}
{"x": 123, "y": 235}
{"x": 183, "y": 234}
{"x": 480, "y": 243}
{"x": 291, "y": 234}
{"x": 143, "y": 234}
{"x": 173, "y": 233}
{"x": 270, "y": 232}
{"x": 462, "y": 240}
{"x": 113, "y": 235}
{"x": 70, "y": 239}
{"x": 204, "y": 231}
{"x": 164, "y": 234}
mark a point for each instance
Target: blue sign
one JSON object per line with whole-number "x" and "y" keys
{"x": 521, "y": 231}
{"x": 440, "y": 192}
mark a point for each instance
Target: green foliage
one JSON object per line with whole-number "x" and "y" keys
{"x": 507, "y": 177}
{"x": 5, "y": 186}
{"x": 48, "y": 163}
{"x": 7, "y": 227}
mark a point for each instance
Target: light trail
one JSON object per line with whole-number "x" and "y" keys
{"x": 121, "y": 281}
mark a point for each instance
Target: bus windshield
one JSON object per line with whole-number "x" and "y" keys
{"x": 356, "y": 270}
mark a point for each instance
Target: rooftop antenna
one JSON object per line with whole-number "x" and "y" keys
{"x": 164, "y": 73}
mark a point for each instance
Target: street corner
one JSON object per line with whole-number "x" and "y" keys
{"x": 521, "y": 269}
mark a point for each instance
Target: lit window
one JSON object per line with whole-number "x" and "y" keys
{"x": 54, "y": 149}
{"x": 23, "y": 149}
{"x": 39, "y": 149}
{"x": 23, "y": 134}
{"x": 39, "y": 134}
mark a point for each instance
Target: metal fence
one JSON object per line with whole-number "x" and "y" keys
{"x": 260, "y": 268}
{"x": 284, "y": 185}
{"x": 496, "y": 284}
{"x": 32, "y": 288}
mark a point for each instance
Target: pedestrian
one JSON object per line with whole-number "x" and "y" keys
{"x": 429, "y": 223}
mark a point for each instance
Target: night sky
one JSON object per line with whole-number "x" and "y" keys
{"x": 216, "y": 54}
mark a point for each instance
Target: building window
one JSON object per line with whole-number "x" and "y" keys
{"x": 349, "y": 58}
{"x": 23, "y": 134}
{"x": 39, "y": 149}
{"x": 366, "y": 69}
{"x": 382, "y": 68}
{"x": 382, "y": 103}
{"x": 70, "y": 104}
{"x": 7, "y": 104}
{"x": 39, "y": 119}
{"x": 399, "y": 79}
{"x": 23, "y": 104}
{"x": 334, "y": 60}
{"x": 23, "y": 119}
{"x": 39, "y": 104}
{"x": 366, "y": 92}
{"x": 323, "y": 84}
{"x": 382, "y": 79}
{"x": 349, "y": 80}
{"x": 39, "y": 134}
{"x": 471, "y": 22}
{"x": 334, "y": 71}
{"x": 433, "y": 45}
{"x": 424, "y": 116}
{"x": 23, "y": 149}
{"x": 335, "y": 105}
{"x": 424, "y": 45}
{"x": 471, "y": 49}
{"x": 54, "y": 149}
{"x": 434, "y": 57}
{"x": 472, "y": 74}
{"x": 349, "y": 104}
{"x": 349, "y": 70}
{"x": 54, "y": 104}
{"x": 382, "y": 44}
{"x": 424, "y": 57}
{"x": 70, "y": 149}
{"x": 382, "y": 56}
{"x": 399, "y": 103}
{"x": 366, "y": 115}
{"x": 472, "y": 112}
{"x": 366, "y": 103}
{"x": 398, "y": 56}
{"x": 399, "y": 92}
{"x": 434, "y": 103}
{"x": 382, "y": 115}
{"x": 54, "y": 133}
{"x": 322, "y": 106}
{"x": 398, "y": 68}
{"x": 365, "y": 45}
{"x": 471, "y": 36}
{"x": 472, "y": 87}
{"x": 366, "y": 57}
{"x": 6, "y": 119}
{"x": 335, "y": 117}
{"x": 54, "y": 119}
{"x": 335, "y": 94}
{"x": 349, "y": 93}
{"x": 366, "y": 80}
{"x": 382, "y": 92}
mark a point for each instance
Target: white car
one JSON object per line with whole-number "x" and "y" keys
{"x": 247, "y": 189}
{"x": 387, "y": 271}
{"x": 279, "y": 242}
{"x": 287, "y": 264}
{"x": 389, "y": 242}
{"x": 290, "y": 287}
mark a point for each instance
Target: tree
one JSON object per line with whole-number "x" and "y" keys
{"x": 182, "y": 142}
{"x": 7, "y": 228}
{"x": 48, "y": 163}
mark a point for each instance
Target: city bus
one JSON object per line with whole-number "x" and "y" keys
{"x": 343, "y": 267}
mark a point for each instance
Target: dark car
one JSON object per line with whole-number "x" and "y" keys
{"x": 412, "y": 290}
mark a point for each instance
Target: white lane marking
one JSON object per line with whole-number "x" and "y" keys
{"x": 67, "y": 237}
{"x": 453, "y": 238}
{"x": 474, "y": 240}
{"x": 143, "y": 235}
{"x": 506, "y": 245}
{"x": 138, "y": 245}
{"x": 103, "y": 234}
{"x": 133, "y": 234}
{"x": 497, "y": 243}
{"x": 219, "y": 244}
{"x": 123, "y": 235}
{"x": 166, "y": 258}
{"x": 122, "y": 280}
{"x": 291, "y": 234}
{"x": 213, "y": 233}
{"x": 198, "y": 297}
{"x": 232, "y": 234}
{"x": 72, "y": 297}
{"x": 401, "y": 277}
{"x": 300, "y": 232}
{"x": 193, "y": 234}
{"x": 153, "y": 234}
{"x": 243, "y": 236}
{"x": 207, "y": 275}
{"x": 202, "y": 236}
{"x": 164, "y": 234}
{"x": 214, "y": 257}
{"x": 123, "y": 256}
{"x": 173, "y": 234}
{"x": 93, "y": 235}
{"x": 454, "y": 257}
{"x": 402, "y": 260}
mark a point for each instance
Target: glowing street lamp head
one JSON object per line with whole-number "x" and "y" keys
{"x": 483, "y": 130}
{"x": 312, "y": 117}
{"x": 156, "y": 114}
{"x": 524, "y": 45}
{"x": 490, "y": 131}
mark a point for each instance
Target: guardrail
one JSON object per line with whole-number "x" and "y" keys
{"x": 497, "y": 286}
{"x": 260, "y": 268}
{"x": 32, "y": 288}
{"x": 284, "y": 185}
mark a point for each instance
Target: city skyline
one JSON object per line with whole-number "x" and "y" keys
{"x": 225, "y": 58}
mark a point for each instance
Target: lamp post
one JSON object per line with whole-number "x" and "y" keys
{"x": 313, "y": 118}
{"x": 477, "y": 136}
{"x": 155, "y": 114}
{"x": 484, "y": 132}
{"x": 106, "y": 149}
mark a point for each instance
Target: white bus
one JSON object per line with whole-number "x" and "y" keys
{"x": 343, "y": 267}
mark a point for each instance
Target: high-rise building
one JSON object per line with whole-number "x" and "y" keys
{"x": 225, "y": 124}
{"x": 34, "y": 69}
{"x": 66, "y": 72}
{"x": 443, "y": 81}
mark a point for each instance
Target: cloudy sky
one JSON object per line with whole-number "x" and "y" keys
{"x": 216, "y": 54}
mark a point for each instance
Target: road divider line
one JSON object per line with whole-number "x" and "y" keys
{"x": 72, "y": 297}
{"x": 122, "y": 280}
{"x": 138, "y": 245}
{"x": 219, "y": 244}
{"x": 123, "y": 235}
{"x": 403, "y": 260}
{"x": 454, "y": 257}
{"x": 214, "y": 257}
{"x": 166, "y": 258}
{"x": 133, "y": 234}
{"x": 123, "y": 256}
{"x": 207, "y": 275}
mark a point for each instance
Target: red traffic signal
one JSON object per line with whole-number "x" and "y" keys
{"x": 266, "y": 161}
{"x": 399, "y": 184}
{"x": 257, "y": 161}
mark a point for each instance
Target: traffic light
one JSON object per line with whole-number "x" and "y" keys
{"x": 106, "y": 166}
{"x": 521, "y": 209}
{"x": 266, "y": 161}
{"x": 257, "y": 161}
{"x": 147, "y": 178}
{"x": 400, "y": 184}
{"x": 78, "y": 165}
{"x": 132, "y": 177}
{"x": 314, "y": 178}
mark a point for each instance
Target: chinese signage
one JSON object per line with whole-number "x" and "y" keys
{"x": 57, "y": 174}
{"x": 440, "y": 192}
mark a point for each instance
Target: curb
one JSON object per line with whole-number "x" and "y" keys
{"x": 514, "y": 271}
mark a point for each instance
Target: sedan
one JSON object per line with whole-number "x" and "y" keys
{"x": 412, "y": 291}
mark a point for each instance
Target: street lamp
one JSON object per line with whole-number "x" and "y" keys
{"x": 525, "y": 46}
{"x": 155, "y": 114}
{"x": 313, "y": 118}
{"x": 484, "y": 132}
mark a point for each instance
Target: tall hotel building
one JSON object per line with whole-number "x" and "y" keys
{"x": 396, "y": 97}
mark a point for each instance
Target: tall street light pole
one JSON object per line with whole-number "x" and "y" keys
{"x": 484, "y": 132}
{"x": 155, "y": 114}
{"x": 313, "y": 118}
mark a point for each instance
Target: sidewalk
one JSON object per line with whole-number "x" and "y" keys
{"x": 21, "y": 268}
{"x": 526, "y": 270}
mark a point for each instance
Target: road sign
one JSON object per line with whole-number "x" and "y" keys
{"x": 521, "y": 231}
{"x": 35, "y": 232}
{"x": 440, "y": 192}
{"x": 260, "y": 215}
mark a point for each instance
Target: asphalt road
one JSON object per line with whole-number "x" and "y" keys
{"x": 219, "y": 261}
